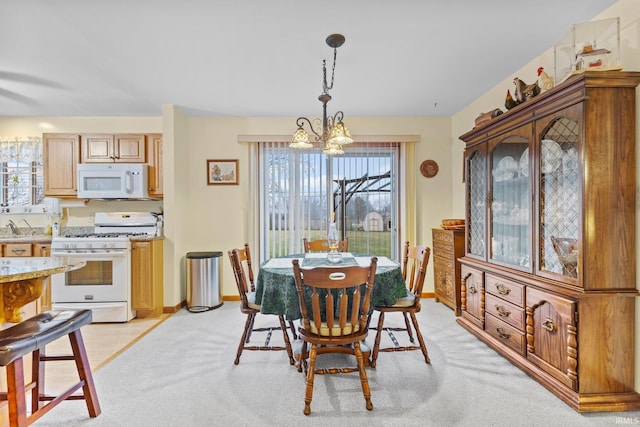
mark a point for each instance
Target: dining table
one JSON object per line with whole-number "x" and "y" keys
{"x": 276, "y": 287}
{"x": 22, "y": 280}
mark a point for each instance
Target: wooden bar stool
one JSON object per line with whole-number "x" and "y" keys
{"x": 31, "y": 336}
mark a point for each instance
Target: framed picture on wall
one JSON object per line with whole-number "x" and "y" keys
{"x": 222, "y": 172}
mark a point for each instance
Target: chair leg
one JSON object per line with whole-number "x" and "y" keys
{"x": 423, "y": 346}
{"x": 308, "y": 395}
{"x": 293, "y": 330}
{"x": 304, "y": 355}
{"x": 248, "y": 337}
{"x": 37, "y": 377}
{"x": 16, "y": 394}
{"x": 287, "y": 342}
{"x": 408, "y": 326}
{"x": 84, "y": 372}
{"x": 376, "y": 345}
{"x": 245, "y": 333}
{"x": 364, "y": 382}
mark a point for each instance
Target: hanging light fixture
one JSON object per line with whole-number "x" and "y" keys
{"x": 331, "y": 131}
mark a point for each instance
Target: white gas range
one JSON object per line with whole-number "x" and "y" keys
{"x": 104, "y": 284}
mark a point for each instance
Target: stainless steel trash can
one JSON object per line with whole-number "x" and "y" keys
{"x": 203, "y": 281}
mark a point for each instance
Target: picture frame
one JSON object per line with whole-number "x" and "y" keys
{"x": 222, "y": 172}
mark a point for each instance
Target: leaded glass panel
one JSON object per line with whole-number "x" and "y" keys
{"x": 559, "y": 197}
{"x": 511, "y": 202}
{"x": 477, "y": 173}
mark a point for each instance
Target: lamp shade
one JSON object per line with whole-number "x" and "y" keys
{"x": 333, "y": 149}
{"x": 300, "y": 139}
{"x": 340, "y": 134}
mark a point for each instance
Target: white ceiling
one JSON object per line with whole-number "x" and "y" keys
{"x": 263, "y": 58}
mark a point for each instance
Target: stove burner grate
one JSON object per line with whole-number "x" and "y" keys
{"x": 105, "y": 235}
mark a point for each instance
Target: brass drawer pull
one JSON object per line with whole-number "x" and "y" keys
{"x": 502, "y": 311}
{"x": 502, "y": 289}
{"x": 548, "y": 324}
{"x": 18, "y": 251}
{"x": 503, "y": 333}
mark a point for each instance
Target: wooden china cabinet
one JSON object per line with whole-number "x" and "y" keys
{"x": 548, "y": 278}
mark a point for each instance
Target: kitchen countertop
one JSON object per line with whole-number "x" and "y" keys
{"x": 19, "y": 268}
{"x": 24, "y": 238}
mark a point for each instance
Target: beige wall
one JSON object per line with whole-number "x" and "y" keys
{"x": 199, "y": 217}
{"x": 217, "y": 218}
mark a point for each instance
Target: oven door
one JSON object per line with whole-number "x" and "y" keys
{"x": 105, "y": 278}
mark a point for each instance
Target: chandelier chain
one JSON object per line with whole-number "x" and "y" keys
{"x": 326, "y": 87}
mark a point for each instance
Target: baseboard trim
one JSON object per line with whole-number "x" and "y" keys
{"x": 175, "y": 308}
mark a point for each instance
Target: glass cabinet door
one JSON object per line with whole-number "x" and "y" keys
{"x": 510, "y": 209}
{"x": 476, "y": 172}
{"x": 560, "y": 200}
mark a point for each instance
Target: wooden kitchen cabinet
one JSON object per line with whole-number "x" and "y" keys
{"x": 548, "y": 278}
{"x": 44, "y": 303}
{"x": 448, "y": 246}
{"x": 154, "y": 160}
{"x": 18, "y": 250}
{"x": 61, "y": 153}
{"x": 30, "y": 249}
{"x": 147, "y": 277}
{"x": 113, "y": 148}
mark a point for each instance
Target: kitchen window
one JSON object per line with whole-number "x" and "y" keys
{"x": 300, "y": 190}
{"x": 21, "y": 172}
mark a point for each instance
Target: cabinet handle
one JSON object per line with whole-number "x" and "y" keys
{"x": 472, "y": 290}
{"x": 18, "y": 251}
{"x": 503, "y": 333}
{"x": 502, "y": 289}
{"x": 548, "y": 324}
{"x": 502, "y": 311}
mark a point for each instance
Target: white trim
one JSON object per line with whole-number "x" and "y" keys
{"x": 356, "y": 138}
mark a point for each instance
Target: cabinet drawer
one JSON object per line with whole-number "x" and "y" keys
{"x": 507, "y": 334}
{"x": 442, "y": 240}
{"x": 449, "y": 256}
{"x": 444, "y": 263}
{"x": 505, "y": 289}
{"x": 17, "y": 250}
{"x": 505, "y": 311}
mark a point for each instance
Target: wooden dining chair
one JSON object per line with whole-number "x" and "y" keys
{"x": 322, "y": 245}
{"x": 414, "y": 270}
{"x": 334, "y": 303}
{"x": 241, "y": 264}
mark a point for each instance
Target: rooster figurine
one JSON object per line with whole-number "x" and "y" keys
{"x": 524, "y": 91}
{"x": 544, "y": 80}
{"x": 509, "y": 102}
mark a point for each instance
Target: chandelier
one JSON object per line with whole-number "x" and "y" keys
{"x": 331, "y": 131}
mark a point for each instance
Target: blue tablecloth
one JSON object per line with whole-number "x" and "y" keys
{"x": 276, "y": 288}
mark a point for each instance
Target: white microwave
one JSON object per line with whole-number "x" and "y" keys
{"x": 112, "y": 181}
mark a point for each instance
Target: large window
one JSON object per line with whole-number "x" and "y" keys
{"x": 301, "y": 191}
{"x": 21, "y": 172}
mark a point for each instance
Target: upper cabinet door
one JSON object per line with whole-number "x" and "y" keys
{"x": 510, "y": 208}
{"x": 109, "y": 148}
{"x": 476, "y": 179}
{"x": 61, "y": 154}
{"x": 559, "y": 192}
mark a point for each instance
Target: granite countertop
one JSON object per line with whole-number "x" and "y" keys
{"x": 25, "y": 238}
{"x": 14, "y": 269}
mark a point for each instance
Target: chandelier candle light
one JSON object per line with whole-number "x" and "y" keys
{"x": 331, "y": 131}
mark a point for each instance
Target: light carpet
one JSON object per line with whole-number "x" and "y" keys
{"x": 182, "y": 374}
